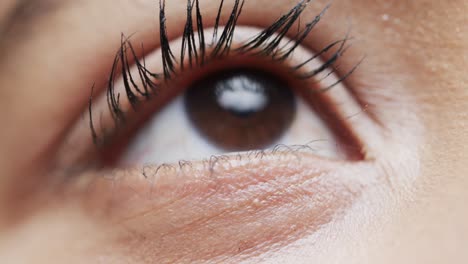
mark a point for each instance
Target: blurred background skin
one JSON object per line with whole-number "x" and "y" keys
{"x": 50, "y": 50}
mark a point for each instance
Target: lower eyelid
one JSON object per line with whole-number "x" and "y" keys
{"x": 225, "y": 176}
{"x": 168, "y": 203}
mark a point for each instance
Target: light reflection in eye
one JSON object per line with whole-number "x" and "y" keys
{"x": 241, "y": 95}
{"x": 246, "y": 124}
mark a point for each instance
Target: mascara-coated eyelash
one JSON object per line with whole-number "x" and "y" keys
{"x": 195, "y": 52}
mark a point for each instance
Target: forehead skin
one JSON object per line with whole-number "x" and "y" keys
{"x": 424, "y": 43}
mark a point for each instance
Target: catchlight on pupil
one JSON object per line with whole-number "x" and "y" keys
{"x": 241, "y": 109}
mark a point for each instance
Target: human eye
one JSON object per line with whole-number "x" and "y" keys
{"x": 224, "y": 121}
{"x": 226, "y": 90}
{"x": 223, "y": 130}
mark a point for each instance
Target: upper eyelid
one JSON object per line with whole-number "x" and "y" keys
{"x": 269, "y": 40}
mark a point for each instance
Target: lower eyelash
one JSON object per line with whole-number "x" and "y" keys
{"x": 196, "y": 53}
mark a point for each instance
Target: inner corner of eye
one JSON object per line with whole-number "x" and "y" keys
{"x": 236, "y": 104}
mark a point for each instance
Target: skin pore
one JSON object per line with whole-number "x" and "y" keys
{"x": 404, "y": 204}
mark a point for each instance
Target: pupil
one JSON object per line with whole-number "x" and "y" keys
{"x": 240, "y": 110}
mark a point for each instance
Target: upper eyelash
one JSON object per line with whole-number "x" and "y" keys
{"x": 265, "y": 44}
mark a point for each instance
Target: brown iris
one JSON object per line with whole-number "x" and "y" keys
{"x": 241, "y": 109}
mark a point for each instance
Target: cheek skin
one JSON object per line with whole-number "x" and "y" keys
{"x": 242, "y": 207}
{"x": 62, "y": 233}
